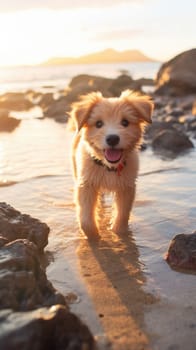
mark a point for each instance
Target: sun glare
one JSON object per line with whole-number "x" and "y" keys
{"x": 38, "y": 34}
{"x": 33, "y": 36}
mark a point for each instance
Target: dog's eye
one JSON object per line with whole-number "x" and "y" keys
{"x": 99, "y": 124}
{"x": 124, "y": 122}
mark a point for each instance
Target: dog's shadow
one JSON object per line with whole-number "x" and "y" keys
{"x": 115, "y": 282}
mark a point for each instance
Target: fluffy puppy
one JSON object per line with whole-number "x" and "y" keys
{"x": 105, "y": 155}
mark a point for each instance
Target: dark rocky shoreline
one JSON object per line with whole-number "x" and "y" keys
{"x": 33, "y": 315}
{"x": 174, "y": 117}
{"x": 174, "y": 96}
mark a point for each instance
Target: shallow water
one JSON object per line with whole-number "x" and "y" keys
{"x": 171, "y": 210}
{"x": 36, "y": 157}
{"x": 48, "y": 77}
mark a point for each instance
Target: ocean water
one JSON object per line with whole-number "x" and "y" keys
{"x": 36, "y": 178}
{"x": 39, "y": 77}
{"x": 35, "y": 163}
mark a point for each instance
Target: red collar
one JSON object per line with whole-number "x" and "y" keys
{"x": 118, "y": 169}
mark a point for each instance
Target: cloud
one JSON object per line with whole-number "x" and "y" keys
{"x": 20, "y": 5}
{"x": 113, "y": 35}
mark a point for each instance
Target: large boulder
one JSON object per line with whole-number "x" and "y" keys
{"x": 15, "y": 101}
{"x": 121, "y": 83}
{"x": 23, "y": 282}
{"x": 34, "y": 315}
{"x": 178, "y": 76}
{"x": 84, "y": 83}
{"x": 57, "y": 109}
{"x": 182, "y": 251}
{"x": 155, "y": 128}
{"x": 46, "y": 100}
{"x": 93, "y": 81}
{"x": 15, "y": 225}
{"x": 7, "y": 123}
{"x": 171, "y": 143}
{"x": 45, "y": 328}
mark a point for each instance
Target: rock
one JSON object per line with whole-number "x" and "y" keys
{"x": 171, "y": 142}
{"x": 158, "y": 104}
{"x": 33, "y": 96}
{"x": 178, "y": 76}
{"x": 186, "y": 102}
{"x": 177, "y": 112}
{"x": 143, "y": 147}
{"x": 23, "y": 282}
{"x": 194, "y": 109}
{"x": 170, "y": 120}
{"x": 156, "y": 127}
{"x": 14, "y": 225}
{"x": 95, "y": 82}
{"x": 15, "y": 101}
{"x": 46, "y": 100}
{"x": 138, "y": 84}
{"x": 62, "y": 118}
{"x": 57, "y": 110}
{"x": 73, "y": 94}
{"x": 45, "y": 328}
{"x": 182, "y": 251}
{"x": 187, "y": 118}
{"x": 7, "y": 123}
{"x": 161, "y": 101}
{"x": 3, "y": 241}
{"x": 83, "y": 84}
{"x": 124, "y": 82}
{"x": 119, "y": 84}
{"x": 144, "y": 82}
{"x": 24, "y": 287}
{"x": 192, "y": 125}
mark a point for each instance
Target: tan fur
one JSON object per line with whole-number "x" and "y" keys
{"x": 90, "y": 142}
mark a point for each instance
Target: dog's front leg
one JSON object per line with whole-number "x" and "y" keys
{"x": 123, "y": 202}
{"x": 86, "y": 197}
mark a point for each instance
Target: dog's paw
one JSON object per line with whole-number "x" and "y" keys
{"x": 120, "y": 229}
{"x": 90, "y": 231}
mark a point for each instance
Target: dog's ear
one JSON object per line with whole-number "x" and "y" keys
{"x": 81, "y": 110}
{"x": 142, "y": 105}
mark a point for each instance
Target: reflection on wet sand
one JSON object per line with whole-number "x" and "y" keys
{"x": 114, "y": 278}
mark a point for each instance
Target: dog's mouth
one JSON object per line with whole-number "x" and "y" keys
{"x": 113, "y": 155}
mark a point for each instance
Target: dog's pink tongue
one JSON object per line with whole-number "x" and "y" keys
{"x": 113, "y": 155}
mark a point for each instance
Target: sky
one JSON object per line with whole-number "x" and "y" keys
{"x": 32, "y": 31}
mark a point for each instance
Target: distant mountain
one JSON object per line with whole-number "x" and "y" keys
{"x": 106, "y": 56}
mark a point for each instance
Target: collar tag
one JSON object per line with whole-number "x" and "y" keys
{"x": 120, "y": 167}
{"x": 118, "y": 170}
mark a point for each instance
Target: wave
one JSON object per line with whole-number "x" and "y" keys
{"x": 6, "y": 183}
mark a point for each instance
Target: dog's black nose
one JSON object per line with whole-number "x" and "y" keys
{"x": 112, "y": 140}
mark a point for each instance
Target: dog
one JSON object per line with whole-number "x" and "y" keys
{"x": 105, "y": 154}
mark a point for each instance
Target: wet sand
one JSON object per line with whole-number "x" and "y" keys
{"x": 114, "y": 280}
